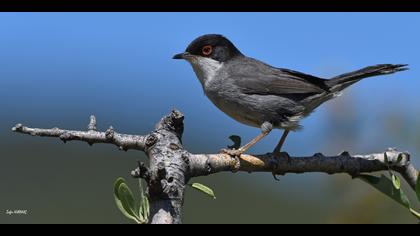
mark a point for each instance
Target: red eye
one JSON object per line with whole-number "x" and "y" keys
{"x": 207, "y": 50}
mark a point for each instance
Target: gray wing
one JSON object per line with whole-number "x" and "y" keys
{"x": 256, "y": 77}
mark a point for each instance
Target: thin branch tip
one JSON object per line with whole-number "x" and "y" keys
{"x": 92, "y": 123}
{"x": 17, "y": 127}
{"x": 91, "y": 136}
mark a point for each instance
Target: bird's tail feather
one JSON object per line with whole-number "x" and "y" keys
{"x": 341, "y": 82}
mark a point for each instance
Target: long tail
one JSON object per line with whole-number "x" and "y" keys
{"x": 341, "y": 82}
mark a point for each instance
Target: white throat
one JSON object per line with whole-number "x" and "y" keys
{"x": 205, "y": 68}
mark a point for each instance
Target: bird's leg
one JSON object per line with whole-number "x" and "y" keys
{"x": 266, "y": 128}
{"x": 277, "y": 150}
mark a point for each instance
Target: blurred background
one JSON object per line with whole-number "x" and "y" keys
{"x": 56, "y": 69}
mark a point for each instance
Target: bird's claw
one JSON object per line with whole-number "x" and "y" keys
{"x": 232, "y": 152}
{"x": 235, "y": 153}
{"x": 277, "y": 156}
{"x": 274, "y": 176}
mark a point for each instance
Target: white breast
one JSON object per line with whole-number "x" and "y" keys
{"x": 205, "y": 68}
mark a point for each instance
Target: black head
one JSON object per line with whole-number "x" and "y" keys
{"x": 213, "y": 46}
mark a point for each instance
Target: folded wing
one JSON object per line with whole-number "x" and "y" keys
{"x": 262, "y": 79}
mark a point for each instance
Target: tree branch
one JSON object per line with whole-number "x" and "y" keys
{"x": 205, "y": 164}
{"x": 123, "y": 141}
{"x": 171, "y": 166}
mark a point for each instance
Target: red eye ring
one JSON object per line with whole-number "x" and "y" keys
{"x": 207, "y": 50}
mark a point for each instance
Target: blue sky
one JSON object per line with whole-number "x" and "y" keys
{"x": 61, "y": 67}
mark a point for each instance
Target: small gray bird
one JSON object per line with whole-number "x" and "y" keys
{"x": 259, "y": 95}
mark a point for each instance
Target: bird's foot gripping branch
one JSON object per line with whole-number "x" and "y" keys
{"x": 170, "y": 167}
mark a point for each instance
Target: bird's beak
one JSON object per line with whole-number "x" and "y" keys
{"x": 183, "y": 55}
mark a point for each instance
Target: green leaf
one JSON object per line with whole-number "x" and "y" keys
{"x": 418, "y": 186}
{"x": 124, "y": 200}
{"x": 236, "y": 142}
{"x": 396, "y": 181}
{"x": 392, "y": 188}
{"x": 204, "y": 189}
{"x": 127, "y": 199}
{"x": 141, "y": 189}
{"x": 415, "y": 213}
{"x": 117, "y": 185}
{"x": 386, "y": 186}
{"x": 145, "y": 208}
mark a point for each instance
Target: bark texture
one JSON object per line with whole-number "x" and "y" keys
{"x": 170, "y": 166}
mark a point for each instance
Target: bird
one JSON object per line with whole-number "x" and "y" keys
{"x": 259, "y": 95}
